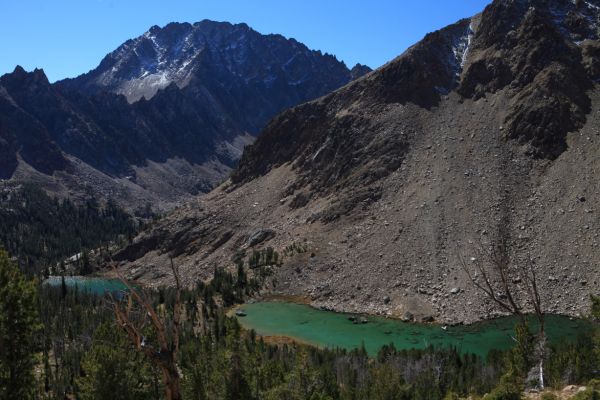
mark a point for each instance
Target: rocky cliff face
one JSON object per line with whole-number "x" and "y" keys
{"x": 247, "y": 76}
{"x": 23, "y": 136}
{"x": 540, "y": 52}
{"x": 484, "y": 131}
{"x": 163, "y": 117}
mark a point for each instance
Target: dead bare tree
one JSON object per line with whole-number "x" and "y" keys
{"x": 134, "y": 312}
{"x": 500, "y": 283}
{"x": 536, "y": 303}
{"x": 500, "y": 292}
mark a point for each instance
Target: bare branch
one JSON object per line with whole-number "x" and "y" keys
{"x": 164, "y": 356}
{"x": 141, "y": 298}
{"x": 487, "y": 288}
{"x": 500, "y": 264}
{"x": 177, "y": 309}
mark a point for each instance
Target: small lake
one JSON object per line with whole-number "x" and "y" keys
{"x": 330, "y": 329}
{"x": 91, "y": 285}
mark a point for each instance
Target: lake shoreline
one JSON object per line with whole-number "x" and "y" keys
{"x": 305, "y": 300}
{"x": 304, "y": 324}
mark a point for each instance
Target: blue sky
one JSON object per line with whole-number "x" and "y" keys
{"x": 70, "y": 37}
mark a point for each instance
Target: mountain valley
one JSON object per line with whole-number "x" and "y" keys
{"x": 216, "y": 213}
{"x": 484, "y": 132}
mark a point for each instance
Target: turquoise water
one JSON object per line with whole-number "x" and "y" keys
{"x": 330, "y": 329}
{"x": 92, "y": 285}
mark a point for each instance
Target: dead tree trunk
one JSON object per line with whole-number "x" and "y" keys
{"x": 134, "y": 312}
{"x": 498, "y": 282}
{"x": 534, "y": 296}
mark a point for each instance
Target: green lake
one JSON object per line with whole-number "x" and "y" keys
{"x": 92, "y": 285}
{"x": 330, "y": 329}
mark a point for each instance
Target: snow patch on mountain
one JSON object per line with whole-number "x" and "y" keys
{"x": 151, "y": 62}
{"x": 458, "y": 40}
{"x": 460, "y": 47}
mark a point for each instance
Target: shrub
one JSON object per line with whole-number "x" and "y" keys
{"x": 588, "y": 394}
{"x": 548, "y": 396}
{"x": 504, "y": 391}
{"x": 451, "y": 396}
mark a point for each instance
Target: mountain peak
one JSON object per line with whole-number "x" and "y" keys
{"x": 179, "y": 52}
{"x": 197, "y": 93}
{"x": 576, "y": 20}
{"x": 154, "y": 29}
{"x": 37, "y": 76}
{"x": 19, "y": 70}
{"x": 40, "y": 75}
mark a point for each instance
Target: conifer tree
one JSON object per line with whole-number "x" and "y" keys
{"x": 19, "y": 323}
{"x": 113, "y": 370}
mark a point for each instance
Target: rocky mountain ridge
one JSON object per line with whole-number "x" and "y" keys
{"x": 486, "y": 130}
{"x": 181, "y": 135}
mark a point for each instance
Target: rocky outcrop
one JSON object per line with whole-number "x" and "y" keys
{"x": 533, "y": 50}
{"x": 333, "y": 143}
{"x": 20, "y": 134}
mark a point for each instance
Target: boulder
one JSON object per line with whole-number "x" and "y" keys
{"x": 407, "y": 316}
{"x": 259, "y": 236}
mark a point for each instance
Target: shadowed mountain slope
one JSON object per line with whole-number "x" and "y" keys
{"x": 163, "y": 117}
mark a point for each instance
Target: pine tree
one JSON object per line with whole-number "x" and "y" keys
{"x": 19, "y": 323}
{"x": 596, "y": 320}
{"x": 237, "y": 386}
{"x": 113, "y": 370}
